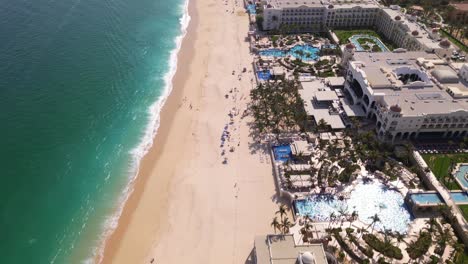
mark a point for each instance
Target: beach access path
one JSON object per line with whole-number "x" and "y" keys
{"x": 189, "y": 207}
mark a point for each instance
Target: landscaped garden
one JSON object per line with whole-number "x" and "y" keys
{"x": 442, "y": 164}
{"x": 369, "y": 44}
{"x": 344, "y": 35}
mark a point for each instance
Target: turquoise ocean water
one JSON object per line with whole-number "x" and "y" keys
{"x": 80, "y": 82}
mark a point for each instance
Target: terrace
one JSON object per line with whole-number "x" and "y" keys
{"x": 370, "y": 205}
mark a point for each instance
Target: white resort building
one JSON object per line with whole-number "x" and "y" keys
{"x": 321, "y": 15}
{"x": 409, "y": 94}
{"x": 275, "y": 249}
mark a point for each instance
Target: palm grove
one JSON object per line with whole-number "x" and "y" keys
{"x": 277, "y": 107}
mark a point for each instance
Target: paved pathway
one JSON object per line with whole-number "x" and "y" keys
{"x": 445, "y": 194}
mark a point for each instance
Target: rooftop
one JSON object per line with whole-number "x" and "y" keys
{"x": 301, "y": 147}
{"x": 460, "y": 6}
{"x": 352, "y": 110}
{"x": 294, "y": 3}
{"x": 335, "y": 81}
{"x": 323, "y": 4}
{"x": 281, "y": 249}
{"x": 321, "y": 103}
{"x": 422, "y": 36}
{"x": 436, "y": 90}
{"x": 417, "y": 8}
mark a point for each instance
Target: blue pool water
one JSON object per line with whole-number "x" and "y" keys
{"x": 354, "y": 40}
{"x": 329, "y": 46}
{"x": 282, "y": 153}
{"x": 434, "y": 198}
{"x": 367, "y": 199}
{"x": 264, "y": 75}
{"x": 426, "y": 198}
{"x": 460, "y": 175}
{"x": 310, "y": 53}
{"x": 459, "y": 197}
{"x": 272, "y": 53}
{"x": 251, "y": 9}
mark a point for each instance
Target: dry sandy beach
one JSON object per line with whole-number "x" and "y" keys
{"x": 187, "y": 205}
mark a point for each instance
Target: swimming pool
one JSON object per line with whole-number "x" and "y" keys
{"x": 459, "y": 197}
{"x": 426, "y": 198}
{"x": 264, "y": 75}
{"x": 328, "y": 46}
{"x": 251, "y": 9}
{"x": 282, "y": 153}
{"x": 460, "y": 176}
{"x": 303, "y": 52}
{"x": 354, "y": 40}
{"x": 367, "y": 199}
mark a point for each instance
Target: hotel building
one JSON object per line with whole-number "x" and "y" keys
{"x": 320, "y": 16}
{"x": 409, "y": 94}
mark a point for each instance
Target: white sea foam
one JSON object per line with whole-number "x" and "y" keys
{"x": 147, "y": 140}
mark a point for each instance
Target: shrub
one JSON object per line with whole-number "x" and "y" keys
{"x": 259, "y": 19}
{"x": 434, "y": 259}
{"x": 387, "y": 250}
{"x": 421, "y": 246}
{"x": 365, "y": 250}
{"x": 345, "y": 246}
{"x": 382, "y": 261}
{"x": 274, "y": 38}
{"x": 341, "y": 256}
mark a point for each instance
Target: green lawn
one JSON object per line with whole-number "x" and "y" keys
{"x": 464, "y": 209}
{"x": 440, "y": 163}
{"x": 344, "y": 35}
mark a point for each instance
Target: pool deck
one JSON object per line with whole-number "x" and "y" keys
{"x": 432, "y": 198}
{"x": 460, "y": 225}
{"x": 459, "y": 174}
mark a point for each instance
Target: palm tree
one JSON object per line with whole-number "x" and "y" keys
{"x": 374, "y": 219}
{"x": 458, "y": 249}
{"x": 387, "y": 240}
{"x": 362, "y": 230}
{"x": 400, "y": 238}
{"x": 332, "y": 218}
{"x": 275, "y": 224}
{"x": 322, "y": 125}
{"x": 282, "y": 211}
{"x": 354, "y": 216}
{"x": 343, "y": 212}
{"x": 444, "y": 237}
{"x": 431, "y": 222}
{"x": 285, "y": 225}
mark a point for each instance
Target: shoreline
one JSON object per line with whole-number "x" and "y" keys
{"x": 166, "y": 117}
{"x": 194, "y": 199}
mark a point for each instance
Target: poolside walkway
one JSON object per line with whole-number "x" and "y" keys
{"x": 447, "y": 198}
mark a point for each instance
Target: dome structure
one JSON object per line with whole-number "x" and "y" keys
{"x": 331, "y": 6}
{"x": 415, "y": 33}
{"x": 308, "y": 258}
{"x": 435, "y": 30}
{"x": 398, "y": 18}
{"x": 445, "y": 43}
{"x": 350, "y": 46}
{"x": 395, "y": 108}
{"x": 445, "y": 76}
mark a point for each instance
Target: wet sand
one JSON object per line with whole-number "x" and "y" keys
{"x": 195, "y": 201}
